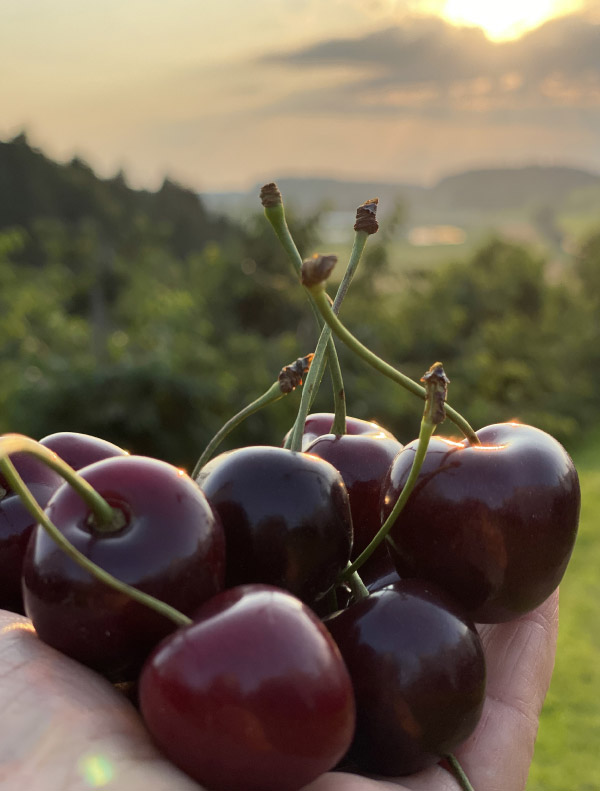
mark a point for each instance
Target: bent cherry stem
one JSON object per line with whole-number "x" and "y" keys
{"x": 436, "y": 383}
{"x": 321, "y": 300}
{"x": 106, "y": 518}
{"x": 362, "y": 232}
{"x": 10, "y": 444}
{"x": 272, "y": 202}
{"x": 290, "y": 377}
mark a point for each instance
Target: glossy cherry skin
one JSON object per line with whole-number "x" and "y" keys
{"x": 320, "y": 423}
{"x": 16, "y": 524}
{"x": 253, "y": 696}
{"x": 170, "y": 546}
{"x": 493, "y": 524}
{"x": 286, "y": 518}
{"x": 379, "y": 571}
{"x": 418, "y": 671}
{"x": 79, "y": 450}
{"x": 363, "y": 461}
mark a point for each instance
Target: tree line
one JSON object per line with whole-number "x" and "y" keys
{"x": 144, "y": 319}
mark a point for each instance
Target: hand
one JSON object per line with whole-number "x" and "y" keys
{"x": 64, "y": 728}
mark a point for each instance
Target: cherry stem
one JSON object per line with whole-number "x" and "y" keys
{"x": 269, "y": 397}
{"x": 459, "y": 773}
{"x": 427, "y": 429}
{"x": 434, "y": 413}
{"x": 357, "y": 586}
{"x": 322, "y": 302}
{"x": 275, "y": 214}
{"x": 106, "y": 517}
{"x": 313, "y": 380}
{"x": 294, "y": 440}
{"x": 19, "y": 486}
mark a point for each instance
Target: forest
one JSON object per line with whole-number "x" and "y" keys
{"x": 144, "y": 318}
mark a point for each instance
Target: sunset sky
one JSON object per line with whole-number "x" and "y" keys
{"x": 222, "y": 95}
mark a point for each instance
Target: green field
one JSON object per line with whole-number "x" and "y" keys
{"x": 566, "y": 757}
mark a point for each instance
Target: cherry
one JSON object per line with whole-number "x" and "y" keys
{"x": 286, "y": 518}
{"x": 168, "y": 543}
{"x": 493, "y": 524}
{"x": 16, "y": 524}
{"x": 253, "y": 696}
{"x": 320, "y": 423}
{"x": 79, "y": 450}
{"x": 418, "y": 671}
{"x": 379, "y": 571}
{"x": 363, "y": 461}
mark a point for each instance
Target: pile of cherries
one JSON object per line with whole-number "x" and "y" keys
{"x": 265, "y": 688}
{"x": 268, "y": 662}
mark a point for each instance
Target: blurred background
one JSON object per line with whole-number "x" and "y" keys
{"x": 144, "y": 297}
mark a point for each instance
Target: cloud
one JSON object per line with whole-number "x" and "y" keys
{"x": 412, "y": 52}
{"x": 426, "y": 66}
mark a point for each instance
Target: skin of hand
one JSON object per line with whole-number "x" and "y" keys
{"x": 64, "y": 728}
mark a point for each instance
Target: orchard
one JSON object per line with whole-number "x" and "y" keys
{"x": 282, "y": 612}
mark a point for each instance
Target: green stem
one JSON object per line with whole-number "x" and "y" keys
{"x": 380, "y": 365}
{"x": 357, "y": 586}
{"x": 314, "y": 376}
{"x": 106, "y": 517}
{"x": 294, "y": 440}
{"x": 269, "y": 397}
{"x": 18, "y": 485}
{"x": 459, "y": 773}
{"x": 434, "y": 413}
{"x": 360, "y": 239}
{"x": 427, "y": 429}
{"x": 275, "y": 214}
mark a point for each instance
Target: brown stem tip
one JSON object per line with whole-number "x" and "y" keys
{"x": 366, "y": 217}
{"x": 270, "y": 196}
{"x": 436, "y": 384}
{"x": 317, "y": 269}
{"x": 290, "y": 376}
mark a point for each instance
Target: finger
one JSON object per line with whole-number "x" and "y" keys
{"x": 64, "y": 728}
{"x": 434, "y": 779}
{"x": 520, "y": 660}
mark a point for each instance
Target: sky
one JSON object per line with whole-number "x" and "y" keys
{"x": 225, "y": 95}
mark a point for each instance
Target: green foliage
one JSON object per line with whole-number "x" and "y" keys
{"x": 514, "y": 344}
{"x": 139, "y": 317}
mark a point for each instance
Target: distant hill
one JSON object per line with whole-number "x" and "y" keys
{"x": 505, "y": 188}
{"x": 473, "y": 191}
{"x": 307, "y": 195}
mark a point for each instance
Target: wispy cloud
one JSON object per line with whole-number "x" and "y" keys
{"x": 427, "y": 66}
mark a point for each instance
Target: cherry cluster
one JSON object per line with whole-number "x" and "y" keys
{"x": 283, "y": 612}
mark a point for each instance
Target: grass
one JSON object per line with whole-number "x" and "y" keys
{"x": 566, "y": 756}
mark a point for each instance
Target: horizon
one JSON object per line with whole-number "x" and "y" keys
{"x": 245, "y": 189}
{"x": 220, "y": 99}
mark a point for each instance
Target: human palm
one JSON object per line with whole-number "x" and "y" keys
{"x": 64, "y": 728}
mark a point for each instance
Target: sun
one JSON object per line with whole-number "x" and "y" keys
{"x": 505, "y": 19}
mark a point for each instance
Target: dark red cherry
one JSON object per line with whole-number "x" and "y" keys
{"x": 79, "y": 450}
{"x": 379, "y": 571}
{"x": 286, "y": 518}
{"x": 253, "y": 696}
{"x": 170, "y": 545}
{"x": 320, "y": 423}
{"x": 418, "y": 671}
{"x": 493, "y": 524}
{"x": 363, "y": 461}
{"x": 16, "y": 524}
